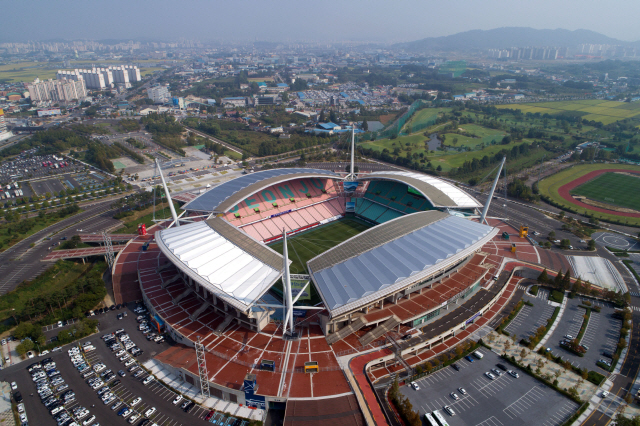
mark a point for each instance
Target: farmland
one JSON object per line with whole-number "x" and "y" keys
{"x": 28, "y": 71}
{"x": 602, "y": 111}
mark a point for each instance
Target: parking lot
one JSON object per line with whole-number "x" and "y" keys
{"x": 504, "y": 400}
{"x": 28, "y": 165}
{"x": 153, "y": 394}
{"x": 530, "y": 318}
{"x": 601, "y": 335}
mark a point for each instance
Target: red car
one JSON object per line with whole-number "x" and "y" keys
{"x": 209, "y": 415}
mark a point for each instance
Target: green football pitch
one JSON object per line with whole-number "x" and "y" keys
{"x": 612, "y": 188}
{"x": 309, "y": 244}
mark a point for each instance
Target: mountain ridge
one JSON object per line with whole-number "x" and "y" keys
{"x": 506, "y": 37}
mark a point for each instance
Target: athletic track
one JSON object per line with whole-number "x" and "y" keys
{"x": 565, "y": 190}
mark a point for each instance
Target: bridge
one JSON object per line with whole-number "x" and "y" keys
{"x": 80, "y": 253}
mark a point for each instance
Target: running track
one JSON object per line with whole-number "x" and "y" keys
{"x": 565, "y": 190}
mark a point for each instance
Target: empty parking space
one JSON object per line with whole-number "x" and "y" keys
{"x": 530, "y": 318}
{"x": 600, "y": 337}
{"x": 504, "y": 400}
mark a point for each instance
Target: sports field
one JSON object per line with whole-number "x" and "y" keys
{"x": 606, "y": 112}
{"x": 612, "y": 188}
{"x": 551, "y": 187}
{"x": 307, "y": 245}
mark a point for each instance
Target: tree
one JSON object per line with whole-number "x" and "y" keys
{"x": 566, "y": 281}
{"x": 543, "y": 278}
{"x": 523, "y": 354}
{"x": 552, "y": 235}
{"x": 591, "y": 245}
{"x": 557, "y": 282}
{"x": 25, "y": 347}
{"x": 365, "y": 125}
{"x": 322, "y": 118}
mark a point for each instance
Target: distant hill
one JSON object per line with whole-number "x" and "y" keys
{"x": 506, "y": 37}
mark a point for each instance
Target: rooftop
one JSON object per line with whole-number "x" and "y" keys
{"x": 388, "y": 257}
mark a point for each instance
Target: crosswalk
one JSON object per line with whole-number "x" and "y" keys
{"x": 635, "y": 308}
{"x": 633, "y": 293}
{"x": 521, "y": 287}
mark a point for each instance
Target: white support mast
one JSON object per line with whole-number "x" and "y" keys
{"x": 286, "y": 284}
{"x": 493, "y": 188}
{"x": 352, "y": 174}
{"x": 166, "y": 191}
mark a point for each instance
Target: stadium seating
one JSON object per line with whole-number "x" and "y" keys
{"x": 281, "y": 197}
{"x": 395, "y": 195}
{"x": 266, "y": 229}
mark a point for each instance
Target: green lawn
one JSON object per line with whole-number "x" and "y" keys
{"x": 613, "y": 188}
{"x": 308, "y": 245}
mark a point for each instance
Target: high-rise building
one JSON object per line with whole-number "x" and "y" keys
{"x": 4, "y": 133}
{"x": 104, "y": 78}
{"x": 158, "y": 94}
{"x": 57, "y": 90}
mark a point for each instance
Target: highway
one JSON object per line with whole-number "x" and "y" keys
{"x": 22, "y": 262}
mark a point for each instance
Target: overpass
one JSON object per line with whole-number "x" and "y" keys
{"x": 80, "y": 253}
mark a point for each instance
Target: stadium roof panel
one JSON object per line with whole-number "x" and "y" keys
{"x": 222, "y": 259}
{"x": 369, "y": 266}
{"x": 226, "y": 195}
{"x": 439, "y": 192}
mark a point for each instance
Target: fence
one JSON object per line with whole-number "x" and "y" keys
{"x": 395, "y": 127}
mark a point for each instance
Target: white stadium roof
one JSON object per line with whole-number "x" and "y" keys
{"x": 389, "y": 257}
{"x": 222, "y": 259}
{"x": 440, "y": 193}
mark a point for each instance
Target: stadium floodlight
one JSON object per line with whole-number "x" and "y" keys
{"x": 166, "y": 191}
{"x": 493, "y": 188}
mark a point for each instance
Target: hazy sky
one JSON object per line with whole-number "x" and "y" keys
{"x": 303, "y": 20}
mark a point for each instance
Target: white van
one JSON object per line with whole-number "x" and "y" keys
{"x": 478, "y": 354}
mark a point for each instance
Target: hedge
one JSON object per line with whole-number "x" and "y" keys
{"x": 533, "y": 342}
{"x": 534, "y": 290}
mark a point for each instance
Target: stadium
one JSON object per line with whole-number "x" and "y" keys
{"x": 368, "y": 258}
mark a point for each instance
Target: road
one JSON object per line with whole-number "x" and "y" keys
{"x": 22, "y": 262}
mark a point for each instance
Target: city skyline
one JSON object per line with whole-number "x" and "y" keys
{"x": 286, "y": 21}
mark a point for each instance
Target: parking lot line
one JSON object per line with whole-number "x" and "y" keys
{"x": 491, "y": 421}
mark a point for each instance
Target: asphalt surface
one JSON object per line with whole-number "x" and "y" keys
{"x": 502, "y": 401}
{"x": 21, "y": 262}
{"x": 602, "y": 334}
{"x": 153, "y": 395}
{"x": 623, "y": 382}
{"x": 530, "y": 318}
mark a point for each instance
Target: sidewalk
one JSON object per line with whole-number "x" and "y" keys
{"x": 6, "y": 414}
{"x": 555, "y": 323}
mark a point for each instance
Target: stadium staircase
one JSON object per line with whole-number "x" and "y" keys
{"x": 346, "y": 331}
{"x": 171, "y": 280}
{"x": 194, "y": 316}
{"x": 219, "y": 329}
{"x": 380, "y": 330}
{"x": 182, "y": 295}
{"x": 397, "y": 351}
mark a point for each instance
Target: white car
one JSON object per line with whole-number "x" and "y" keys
{"x": 454, "y": 396}
{"x": 489, "y": 375}
{"x": 177, "y": 399}
{"x": 133, "y": 418}
{"x": 449, "y": 410}
{"x": 14, "y": 386}
{"x": 23, "y": 418}
{"x": 136, "y": 401}
{"x": 415, "y": 386}
{"x": 150, "y": 411}
{"x": 148, "y": 380}
{"x": 45, "y": 352}
{"x": 462, "y": 391}
{"x": 89, "y": 420}
{"x": 21, "y": 408}
{"x": 604, "y": 394}
{"x": 128, "y": 363}
{"x": 513, "y": 374}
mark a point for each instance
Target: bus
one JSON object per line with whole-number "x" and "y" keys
{"x": 440, "y": 418}
{"x": 430, "y": 420}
